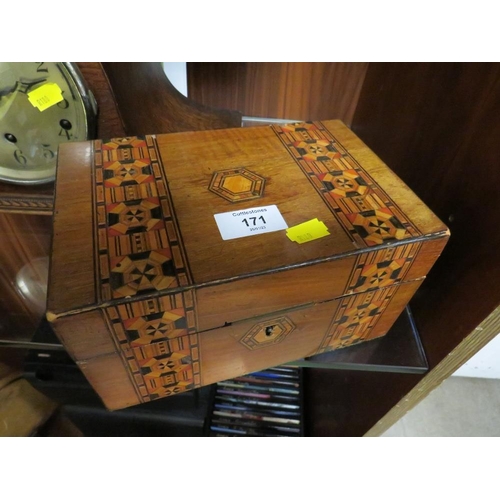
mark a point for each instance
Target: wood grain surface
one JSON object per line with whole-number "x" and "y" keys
{"x": 221, "y": 353}
{"x": 72, "y": 279}
{"x": 291, "y": 90}
{"x": 37, "y": 200}
{"x": 111, "y": 380}
{"x": 210, "y": 257}
{"x": 436, "y": 162}
{"x": 150, "y": 104}
{"x": 224, "y": 356}
{"x": 151, "y": 301}
{"x": 254, "y": 296}
{"x": 109, "y": 121}
{"x": 437, "y": 126}
{"x": 25, "y": 242}
{"x": 486, "y": 331}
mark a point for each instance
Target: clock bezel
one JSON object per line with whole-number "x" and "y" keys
{"x": 90, "y": 119}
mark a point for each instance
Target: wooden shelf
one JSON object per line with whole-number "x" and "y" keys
{"x": 19, "y": 199}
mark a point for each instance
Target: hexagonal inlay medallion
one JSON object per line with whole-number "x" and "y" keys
{"x": 237, "y": 184}
{"x": 268, "y": 332}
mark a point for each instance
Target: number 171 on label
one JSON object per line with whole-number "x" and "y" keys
{"x": 253, "y": 221}
{"x": 249, "y": 222}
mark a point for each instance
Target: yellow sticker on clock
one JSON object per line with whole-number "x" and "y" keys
{"x": 45, "y": 96}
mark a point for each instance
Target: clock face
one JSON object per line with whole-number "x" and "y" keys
{"x": 29, "y": 137}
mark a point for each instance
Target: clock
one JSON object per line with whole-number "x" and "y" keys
{"x": 42, "y": 104}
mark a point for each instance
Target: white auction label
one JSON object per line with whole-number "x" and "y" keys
{"x": 250, "y": 221}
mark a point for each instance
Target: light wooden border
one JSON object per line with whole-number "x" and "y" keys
{"x": 476, "y": 340}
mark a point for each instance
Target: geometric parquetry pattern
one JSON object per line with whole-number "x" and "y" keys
{"x": 166, "y": 367}
{"x": 367, "y": 215}
{"x": 135, "y": 252}
{"x": 237, "y": 184}
{"x": 363, "y": 209}
{"x": 377, "y": 226}
{"x": 381, "y": 268}
{"x": 380, "y": 274}
{"x": 134, "y": 216}
{"x": 141, "y": 272}
{"x": 149, "y": 329}
{"x": 137, "y": 255}
{"x": 356, "y": 317}
{"x": 369, "y": 290}
{"x": 158, "y": 343}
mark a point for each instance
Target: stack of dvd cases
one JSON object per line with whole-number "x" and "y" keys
{"x": 266, "y": 403}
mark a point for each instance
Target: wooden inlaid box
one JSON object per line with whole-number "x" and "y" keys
{"x": 150, "y": 300}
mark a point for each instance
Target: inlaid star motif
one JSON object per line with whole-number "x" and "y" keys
{"x": 141, "y": 272}
{"x": 156, "y": 327}
{"x": 135, "y": 216}
{"x": 377, "y": 226}
{"x": 130, "y": 172}
{"x": 316, "y": 150}
{"x": 127, "y": 172}
{"x": 359, "y": 314}
{"x": 378, "y": 278}
{"x": 344, "y": 183}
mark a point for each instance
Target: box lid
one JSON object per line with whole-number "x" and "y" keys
{"x": 135, "y": 216}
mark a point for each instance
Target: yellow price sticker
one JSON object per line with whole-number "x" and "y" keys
{"x": 307, "y": 231}
{"x": 45, "y": 96}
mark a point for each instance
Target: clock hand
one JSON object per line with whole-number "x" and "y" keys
{"x": 7, "y": 91}
{"x": 25, "y": 86}
{"x": 5, "y": 104}
{"x": 20, "y": 87}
